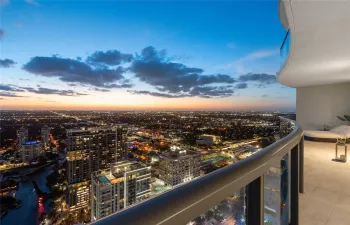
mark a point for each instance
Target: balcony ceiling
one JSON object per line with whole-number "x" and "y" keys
{"x": 320, "y": 42}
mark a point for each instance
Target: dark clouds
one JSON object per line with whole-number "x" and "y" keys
{"x": 157, "y": 94}
{"x": 126, "y": 84}
{"x": 7, "y": 87}
{"x": 101, "y": 89}
{"x": 212, "y": 91}
{"x": 241, "y": 86}
{"x": 264, "y": 96}
{"x": 6, "y": 63}
{"x": 111, "y": 58}
{"x": 155, "y": 68}
{"x": 12, "y": 90}
{"x": 9, "y": 94}
{"x": 49, "y": 91}
{"x": 262, "y": 78}
{"x": 4, "y": 87}
{"x": 74, "y": 71}
{"x": 105, "y": 70}
{"x": 203, "y": 92}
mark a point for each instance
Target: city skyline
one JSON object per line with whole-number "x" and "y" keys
{"x": 141, "y": 56}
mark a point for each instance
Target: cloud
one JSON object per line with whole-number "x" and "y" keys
{"x": 18, "y": 25}
{"x": 8, "y": 87}
{"x": 4, "y": 2}
{"x": 261, "y": 86}
{"x": 101, "y": 89}
{"x": 241, "y": 86}
{"x": 24, "y": 79}
{"x": 156, "y": 68}
{"x": 261, "y": 78}
{"x": 212, "y": 91}
{"x": 10, "y": 90}
{"x": 126, "y": 84}
{"x": 239, "y": 64}
{"x": 111, "y": 58}
{"x": 6, "y": 63}
{"x": 203, "y": 92}
{"x": 9, "y": 94}
{"x": 231, "y": 45}
{"x": 260, "y": 54}
{"x": 264, "y": 96}
{"x": 4, "y": 87}
{"x": 74, "y": 71}
{"x": 49, "y": 91}
{"x": 32, "y": 2}
{"x": 156, "y": 94}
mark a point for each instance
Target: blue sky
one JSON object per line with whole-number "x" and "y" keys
{"x": 167, "y": 55}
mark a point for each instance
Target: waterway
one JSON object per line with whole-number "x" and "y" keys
{"x": 31, "y": 209}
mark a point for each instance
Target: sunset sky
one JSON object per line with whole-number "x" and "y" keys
{"x": 135, "y": 55}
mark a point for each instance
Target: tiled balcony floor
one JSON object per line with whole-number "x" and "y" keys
{"x": 326, "y": 200}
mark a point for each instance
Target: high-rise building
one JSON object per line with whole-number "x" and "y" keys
{"x": 30, "y": 150}
{"x": 206, "y": 140}
{"x": 124, "y": 184}
{"x": 90, "y": 150}
{"x": 22, "y": 135}
{"x": 179, "y": 166}
{"x": 45, "y": 135}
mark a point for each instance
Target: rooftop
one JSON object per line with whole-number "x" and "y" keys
{"x": 326, "y": 200}
{"x": 117, "y": 171}
{"x": 177, "y": 154}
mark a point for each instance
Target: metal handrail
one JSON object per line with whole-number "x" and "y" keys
{"x": 184, "y": 203}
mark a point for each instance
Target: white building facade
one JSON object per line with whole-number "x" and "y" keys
{"x": 179, "y": 166}
{"x": 125, "y": 184}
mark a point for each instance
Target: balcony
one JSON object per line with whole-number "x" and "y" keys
{"x": 266, "y": 184}
{"x": 327, "y": 187}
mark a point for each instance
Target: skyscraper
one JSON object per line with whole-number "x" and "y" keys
{"x": 90, "y": 150}
{"x": 124, "y": 184}
{"x": 45, "y": 135}
{"x": 179, "y": 166}
{"x": 30, "y": 150}
{"x": 22, "y": 136}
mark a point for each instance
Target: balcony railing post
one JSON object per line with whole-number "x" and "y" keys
{"x": 301, "y": 166}
{"x": 255, "y": 202}
{"x": 294, "y": 190}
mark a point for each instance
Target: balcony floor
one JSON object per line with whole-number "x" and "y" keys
{"x": 326, "y": 200}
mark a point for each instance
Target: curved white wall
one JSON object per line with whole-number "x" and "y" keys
{"x": 319, "y": 105}
{"x": 319, "y": 47}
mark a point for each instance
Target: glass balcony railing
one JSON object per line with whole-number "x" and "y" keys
{"x": 284, "y": 50}
{"x": 261, "y": 189}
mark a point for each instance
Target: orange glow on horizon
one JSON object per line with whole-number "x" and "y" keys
{"x": 120, "y": 100}
{"x": 154, "y": 104}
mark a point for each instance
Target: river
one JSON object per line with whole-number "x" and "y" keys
{"x": 31, "y": 209}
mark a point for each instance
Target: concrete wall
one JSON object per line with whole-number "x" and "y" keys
{"x": 319, "y": 105}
